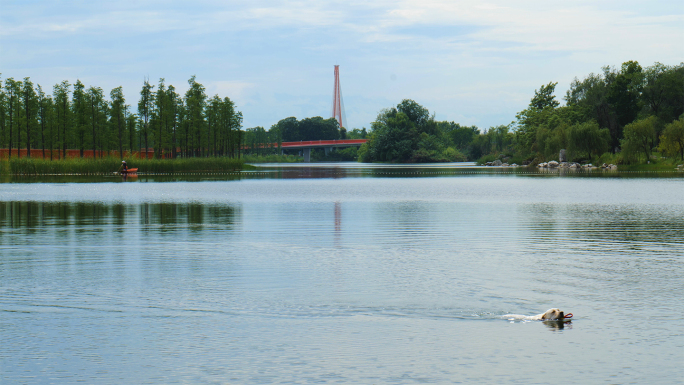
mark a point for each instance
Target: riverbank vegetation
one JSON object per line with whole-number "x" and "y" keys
{"x": 631, "y": 115}
{"x": 271, "y": 158}
{"x": 261, "y": 142}
{"x": 166, "y": 124}
{"x": 108, "y": 165}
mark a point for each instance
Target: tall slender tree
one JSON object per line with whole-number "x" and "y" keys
{"x": 195, "y": 101}
{"x": 80, "y": 114}
{"x": 160, "y": 118}
{"x": 117, "y": 115}
{"x": 3, "y": 114}
{"x": 131, "y": 123}
{"x": 42, "y": 116}
{"x": 145, "y": 106}
{"x": 175, "y": 103}
{"x": 61, "y": 94}
{"x": 29, "y": 104}
{"x": 13, "y": 90}
{"x": 96, "y": 102}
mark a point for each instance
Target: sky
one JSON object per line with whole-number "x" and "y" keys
{"x": 471, "y": 62}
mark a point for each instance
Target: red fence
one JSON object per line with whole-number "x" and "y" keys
{"x": 56, "y": 154}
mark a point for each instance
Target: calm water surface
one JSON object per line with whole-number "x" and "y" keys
{"x": 343, "y": 274}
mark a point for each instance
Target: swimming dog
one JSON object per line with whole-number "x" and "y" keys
{"x": 549, "y": 315}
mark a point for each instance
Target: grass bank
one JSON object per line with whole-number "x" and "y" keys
{"x": 78, "y": 166}
{"x": 272, "y": 158}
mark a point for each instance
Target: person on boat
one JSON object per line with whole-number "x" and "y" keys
{"x": 124, "y": 167}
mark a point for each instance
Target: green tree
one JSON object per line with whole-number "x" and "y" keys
{"x": 131, "y": 128}
{"x": 639, "y": 137}
{"x": 588, "y": 139}
{"x": 232, "y": 120}
{"x": 97, "y": 107}
{"x": 672, "y": 139}
{"x": 30, "y": 107}
{"x": 406, "y": 133}
{"x": 80, "y": 114}
{"x": 161, "y": 118}
{"x": 195, "y": 103}
{"x": 588, "y": 100}
{"x": 663, "y": 91}
{"x": 259, "y": 141}
{"x": 13, "y": 92}
{"x": 537, "y": 122}
{"x": 317, "y": 128}
{"x": 624, "y": 92}
{"x": 3, "y": 114}
{"x": 175, "y": 105}
{"x": 118, "y": 117}
{"x": 544, "y": 97}
{"x": 43, "y": 108}
{"x": 357, "y": 134}
{"x": 213, "y": 112}
{"x": 289, "y": 129}
{"x": 61, "y": 94}
{"x": 145, "y": 106}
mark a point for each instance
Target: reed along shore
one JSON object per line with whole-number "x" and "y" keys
{"x": 110, "y": 165}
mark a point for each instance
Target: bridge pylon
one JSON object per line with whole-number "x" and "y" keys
{"x": 338, "y": 104}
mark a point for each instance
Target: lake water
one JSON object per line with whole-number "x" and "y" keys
{"x": 343, "y": 273}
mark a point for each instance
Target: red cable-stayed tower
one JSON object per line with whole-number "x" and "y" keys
{"x": 338, "y": 104}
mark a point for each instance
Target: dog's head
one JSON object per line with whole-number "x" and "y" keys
{"x": 553, "y": 314}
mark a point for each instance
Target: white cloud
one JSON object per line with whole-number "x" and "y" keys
{"x": 466, "y": 57}
{"x": 235, "y": 89}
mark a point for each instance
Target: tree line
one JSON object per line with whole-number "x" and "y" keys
{"x": 76, "y": 117}
{"x": 259, "y": 141}
{"x": 626, "y": 115}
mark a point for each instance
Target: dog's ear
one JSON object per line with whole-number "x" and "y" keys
{"x": 543, "y": 316}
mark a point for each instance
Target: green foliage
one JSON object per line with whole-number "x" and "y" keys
{"x": 85, "y": 120}
{"x": 357, "y": 134}
{"x": 272, "y": 158}
{"x": 544, "y": 98}
{"x": 108, "y": 165}
{"x": 663, "y": 91}
{"x": 672, "y": 139}
{"x": 260, "y": 142}
{"x": 407, "y": 133}
{"x": 588, "y": 139}
{"x": 316, "y": 128}
{"x": 601, "y": 106}
{"x": 624, "y": 91}
{"x": 639, "y": 139}
{"x": 340, "y": 155}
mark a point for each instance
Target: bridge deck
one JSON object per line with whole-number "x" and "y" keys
{"x": 323, "y": 143}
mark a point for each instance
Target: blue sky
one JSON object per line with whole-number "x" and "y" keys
{"x": 472, "y": 62}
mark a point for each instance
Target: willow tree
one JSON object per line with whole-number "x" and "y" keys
{"x": 672, "y": 140}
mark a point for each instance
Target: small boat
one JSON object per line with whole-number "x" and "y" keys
{"x": 130, "y": 171}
